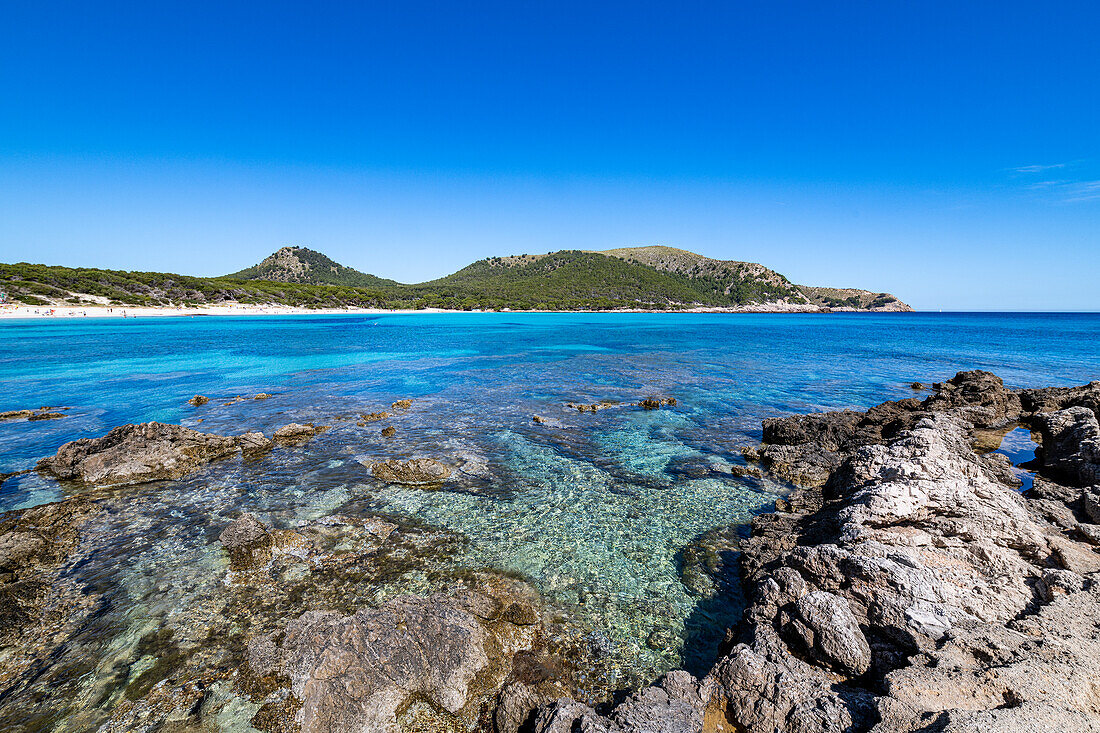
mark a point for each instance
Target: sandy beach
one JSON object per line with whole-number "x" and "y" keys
{"x": 34, "y": 312}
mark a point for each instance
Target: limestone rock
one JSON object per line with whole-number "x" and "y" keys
{"x": 1070, "y": 447}
{"x": 297, "y": 433}
{"x": 137, "y": 453}
{"x": 414, "y": 472}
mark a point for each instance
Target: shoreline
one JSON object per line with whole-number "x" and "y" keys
{"x": 31, "y": 312}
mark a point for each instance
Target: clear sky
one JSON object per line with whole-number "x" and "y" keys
{"x": 948, "y": 152}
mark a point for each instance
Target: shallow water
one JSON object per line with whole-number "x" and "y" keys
{"x": 595, "y": 510}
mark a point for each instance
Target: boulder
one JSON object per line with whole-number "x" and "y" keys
{"x": 415, "y": 471}
{"x": 248, "y": 542}
{"x": 136, "y": 453}
{"x": 297, "y": 433}
{"x": 198, "y": 400}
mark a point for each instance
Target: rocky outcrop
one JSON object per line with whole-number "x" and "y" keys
{"x": 297, "y": 433}
{"x": 42, "y": 413}
{"x": 414, "y": 472}
{"x": 137, "y": 453}
{"x": 655, "y": 403}
{"x": 907, "y": 586}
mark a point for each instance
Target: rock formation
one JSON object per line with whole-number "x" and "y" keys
{"x": 907, "y": 586}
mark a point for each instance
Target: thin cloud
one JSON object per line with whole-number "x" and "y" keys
{"x": 1083, "y": 191}
{"x": 1039, "y": 168}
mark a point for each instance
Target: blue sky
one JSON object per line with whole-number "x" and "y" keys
{"x": 946, "y": 152}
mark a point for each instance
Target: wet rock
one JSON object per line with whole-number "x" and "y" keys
{"x": 297, "y": 433}
{"x": 539, "y": 419}
{"x": 401, "y": 405}
{"x": 415, "y": 471}
{"x": 1070, "y": 447}
{"x": 908, "y": 586}
{"x": 373, "y": 416}
{"x": 254, "y": 444}
{"x": 364, "y": 671}
{"x": 917, "y": 386}
{"x": 137, "y": 453}
{"x": 16, "y": 414}
{"x": 389, "y": 431}
{"x": 248, "y": 542}
{"x": 45, "y": 416}
{"x": 261, "y": 396}
{"x": 198, "y": 400}
{"x": 655, "y": 403}
{"x": 42, "y": 413}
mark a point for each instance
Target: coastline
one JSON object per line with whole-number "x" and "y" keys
{"x": 25, "y": 312}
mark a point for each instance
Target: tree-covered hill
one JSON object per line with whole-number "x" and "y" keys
{"x": 303, "y": 265}
{"x": 659, "y": 278}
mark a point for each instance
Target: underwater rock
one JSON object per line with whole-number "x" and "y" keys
{"x": 198, "y": 400}
{"x": 373, "y": 416}
{"x": 909, "y": 586}
{"x": 248, "y": 542}
{"x": 136, "y": 453}
{"x": 593, "y": 407}
{"x": 297, "y": 433}
{"x": 415, "y": 471}
{"x": 438, "y": 659}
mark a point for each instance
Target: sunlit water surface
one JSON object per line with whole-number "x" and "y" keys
{"x": 595, "y": 510}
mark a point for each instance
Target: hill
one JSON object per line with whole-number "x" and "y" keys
{"x": 852, "y": 299}
{"x": 648, "y": 278}
{"x": 302, "y": 265}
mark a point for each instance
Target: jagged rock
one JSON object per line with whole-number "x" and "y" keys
{"x": 1070, "y": 447}
{"x": 539, "y": 419}
{"x": 297, "y": 433}
{"x": 253, "y": 444}
{"x": 261, "y": 396}
{"x": 828, "y": 630}
{"x": 1091, "y": 502}
{"x": 593, "y": 407}
{"x": 416, "y": 471}
{"x": 655, "y": 403}
{"x": 980, "y": 395}
{"x": 137, "y": 453}
{"x": 389, "y": 431}
{"x": 1054, "y": 399}
{"x": 401, "y": 405}
{"x": 373, "y": 416}
{"x": 198, "y": 400}
{"x": 909, "y": 557}
{"x": 247, "y": 541}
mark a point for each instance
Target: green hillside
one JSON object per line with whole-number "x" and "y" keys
{"x": 645, "y": 278}
{"x": 305, "y": 266}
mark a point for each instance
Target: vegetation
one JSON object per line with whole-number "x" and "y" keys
{"x": 567, "y": 280}
{"x": 302, "y": 265}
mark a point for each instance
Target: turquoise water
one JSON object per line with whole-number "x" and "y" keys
{"x": 595, "y": 510}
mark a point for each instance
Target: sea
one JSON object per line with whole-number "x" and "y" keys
{"x": 601, "y": 512}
